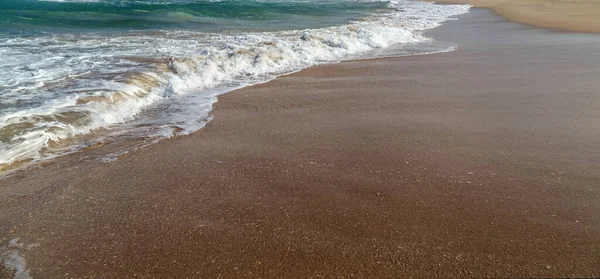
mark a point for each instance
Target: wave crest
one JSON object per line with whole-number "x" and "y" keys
{"x": 170, "y": 79}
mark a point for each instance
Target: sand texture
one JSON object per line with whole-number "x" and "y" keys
{"x": 569, "y": 15}
{"x": 475, "y": 163}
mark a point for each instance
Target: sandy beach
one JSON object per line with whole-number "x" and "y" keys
{"x": 482, "y": 162}
{"x": 569, "y": 15}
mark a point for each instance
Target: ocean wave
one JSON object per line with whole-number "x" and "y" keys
{"x": 77, "y": 84}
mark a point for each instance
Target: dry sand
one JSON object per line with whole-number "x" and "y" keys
{"x": 569, "y": 15}
{"x": 480, "y": 162}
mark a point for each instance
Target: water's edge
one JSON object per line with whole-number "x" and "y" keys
{"x": 108, "y": 150}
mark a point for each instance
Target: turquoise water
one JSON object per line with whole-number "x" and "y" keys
{"x": 211, "y": 16}
{"x": 79, "y": 72}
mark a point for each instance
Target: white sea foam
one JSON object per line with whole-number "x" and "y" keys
{"x": 162, "y": 83}
{"x": 12, "y": 259}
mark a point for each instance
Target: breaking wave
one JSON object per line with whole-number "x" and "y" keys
{"x": 159, "y": 83}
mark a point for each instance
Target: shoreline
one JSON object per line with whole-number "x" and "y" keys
{"x": 565, "y": 15}
{"x": 13, "y": 168}
{"x": 460, "y": 164}
{"x": 134, "y": 103}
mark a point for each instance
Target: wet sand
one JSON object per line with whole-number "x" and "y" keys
{"x": 569, "y": 15}
{"x": 480, "y": 162}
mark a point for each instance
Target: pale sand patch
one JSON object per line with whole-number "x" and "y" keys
{"x": 569, "y": 15}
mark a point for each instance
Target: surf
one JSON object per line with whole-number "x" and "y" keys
{"x": 59, "y": 86}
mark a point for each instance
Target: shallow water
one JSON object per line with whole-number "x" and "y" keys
{"x": 76, "y": 73}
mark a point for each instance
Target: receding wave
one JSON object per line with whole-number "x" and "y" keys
{"x": 61, "y": 86}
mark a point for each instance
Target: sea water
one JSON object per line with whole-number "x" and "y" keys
{"x": 77, "y": 72}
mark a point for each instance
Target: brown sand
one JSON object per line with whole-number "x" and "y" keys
{"x": 569, "y": 15}
{"x": 481, "y": 162}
